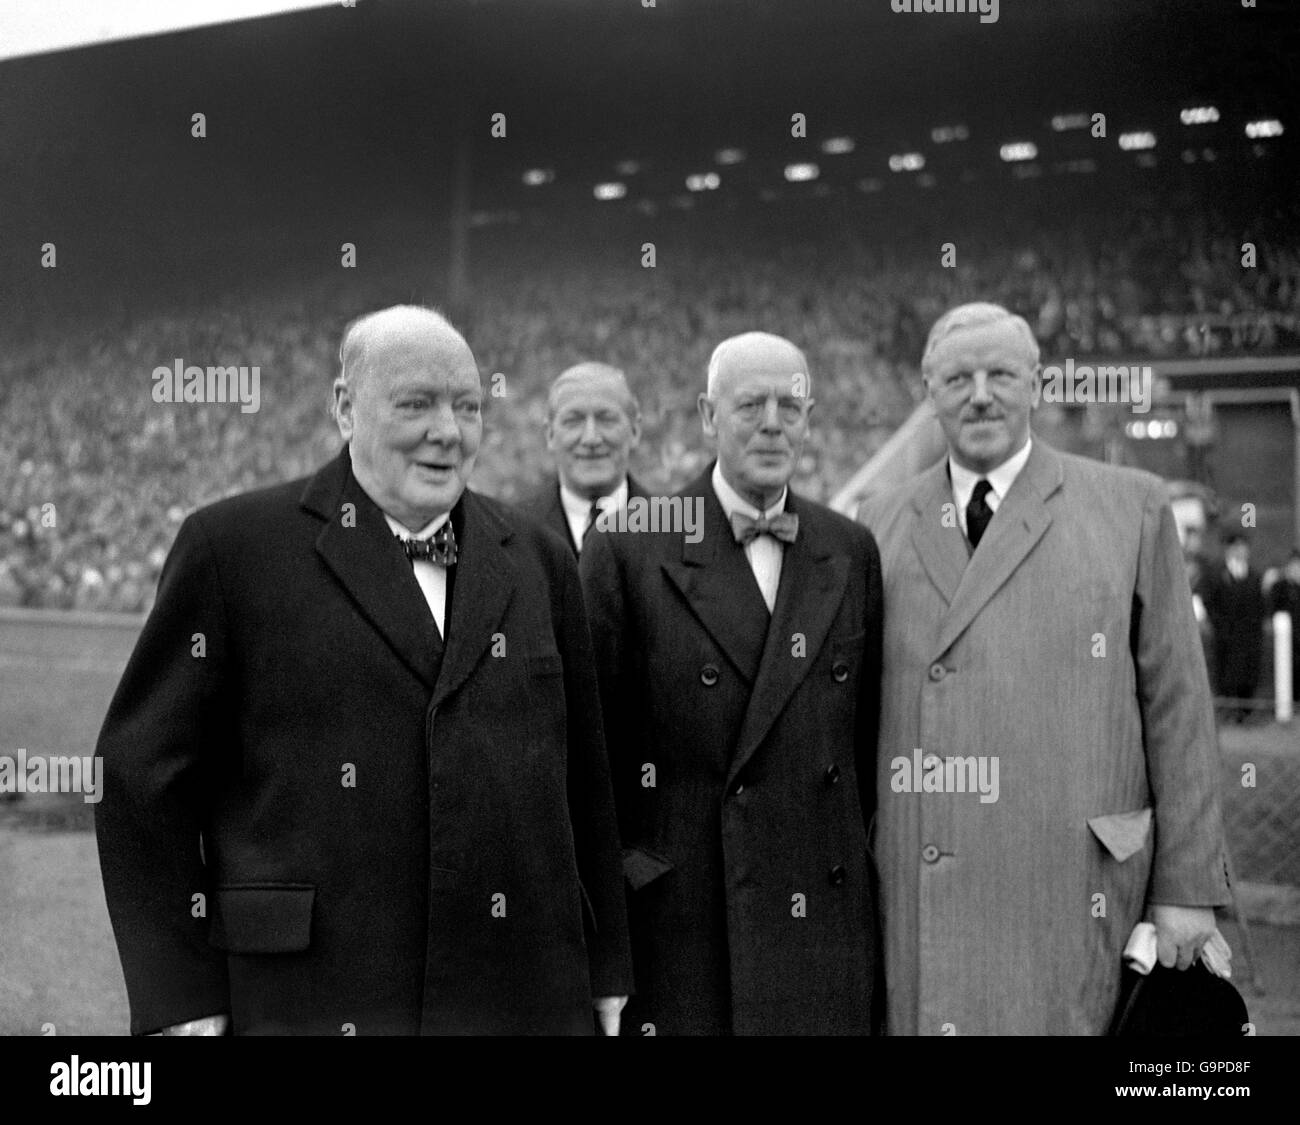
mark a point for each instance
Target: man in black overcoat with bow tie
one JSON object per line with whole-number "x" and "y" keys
{"x": 739, "y": 672}
{"x": 354, "y": 786}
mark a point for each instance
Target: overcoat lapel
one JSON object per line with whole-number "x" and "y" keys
{"x": 939, "y": 543}
{"x": 485, "y": 583}
{"x": 1020, "y": 522}
{"x": 715, "y": 578}
{"x": 554, "y": 516}
{"x": 362, "y": 552}
{"x": 812, "y": 585}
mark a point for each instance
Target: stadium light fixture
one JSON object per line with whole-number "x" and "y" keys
{"x": 1018, "y": 150}
{"x": 1199, "y": 115}
{"x": 801, "y": 173}
{"x": 946, "y": 134}
{"x": 1135, "y": 142}
{"x": 536, "y": 177}
{"x": 1064, "y": 122}
{"x": 627, "y": 167}
{"x": 1270, "y": 127}
{"x": 838, "y": 146}
{"x": 703, "y": 181}
{"x": 610, "y": 190}
{"x": 906, "y": 162}
{"x": 729, "y": 155}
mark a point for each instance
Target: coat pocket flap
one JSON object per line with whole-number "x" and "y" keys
{"x": 263, "y": 918}
{"x": 642, "y": 866}
{"x": 1122, "y": 833}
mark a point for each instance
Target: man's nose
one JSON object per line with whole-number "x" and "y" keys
{"x": 979, "y": 393}
{"x": 771, "y": 415}
{"x": 442, "y": 425}
{"x": 590, "y": 432}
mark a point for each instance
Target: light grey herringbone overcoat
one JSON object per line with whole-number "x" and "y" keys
{"x": 1065, "y": 648}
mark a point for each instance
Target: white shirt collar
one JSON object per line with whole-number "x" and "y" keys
{"x": 1000, "y": 479}
{"x": 579, "y": 507}
{"x": 403, "y": 532}
{"x": 732, "y": 501}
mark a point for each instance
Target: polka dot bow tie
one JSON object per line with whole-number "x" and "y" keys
{"x": 439, "y": 548}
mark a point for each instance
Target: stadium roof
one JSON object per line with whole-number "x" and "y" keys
{"x": 363, "y": 107}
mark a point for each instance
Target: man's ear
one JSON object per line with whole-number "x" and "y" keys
{"x": 1037, "y": 384}
{"x": 343, "y": 405}
{"x": 708, "y": 411}
{"x": 549, "y": 434}
{"x": 635, "y": 422}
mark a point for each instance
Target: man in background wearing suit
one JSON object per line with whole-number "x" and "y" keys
{"x": 739, "y": 677}
{"x": 1233, "y": 594}
{"x": 1038, "y": 633}
{"x": 593, "y": 423}
{"x": 355, "y": 780}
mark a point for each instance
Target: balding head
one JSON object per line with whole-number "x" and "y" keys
{"x": 981, "y": 315}
{"x": 397, "y": 333}
{"x": 756, "y": 406}
{"x": 593, "y": 423}
{"x": 409, "y": 404}
{"x": 756, "y": 353}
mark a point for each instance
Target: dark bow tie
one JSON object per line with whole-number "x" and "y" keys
{"x": 439, "y": 548}
{"x": 783, "y": 525}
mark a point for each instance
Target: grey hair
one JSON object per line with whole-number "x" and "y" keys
{"x": 591, "y": 367}
{"x": 977, "y": 314}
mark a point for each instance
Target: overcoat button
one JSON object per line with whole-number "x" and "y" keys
{"x": 937, "y": 672}
{"x": 930, "y": 853}
{"x": 840, "y": 671}
{"x": 832, "y": 774}
{"x": 837, "y": 875}
{"x": 709, "y": 675}
{"x": 737, "y": 789}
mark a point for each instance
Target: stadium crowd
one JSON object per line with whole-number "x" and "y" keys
{"x": 98, "y": 476}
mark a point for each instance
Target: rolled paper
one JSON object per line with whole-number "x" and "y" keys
{"x": 1217, "y": 957}
{"x": 1140, "y": 952}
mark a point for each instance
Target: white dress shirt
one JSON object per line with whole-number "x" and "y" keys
{"x": 1000, "y": 479}
{"x": 431, "y": 577}
{"x": 764, "y": 552}
{"x": 577, "y": 509}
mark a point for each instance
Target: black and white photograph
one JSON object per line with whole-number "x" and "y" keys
{"x": 746, "y": 519}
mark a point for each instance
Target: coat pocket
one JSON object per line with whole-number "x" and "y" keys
{"x": 642, "y": 866}
{"x": 1122, "y": 834}
{"x": 263, "y": 917}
